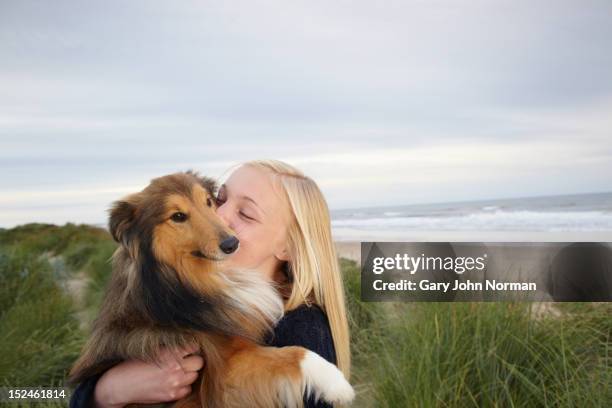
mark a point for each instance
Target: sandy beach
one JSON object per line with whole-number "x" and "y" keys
{"x": 349, "y": 250}
{"x": 348, "y": 243}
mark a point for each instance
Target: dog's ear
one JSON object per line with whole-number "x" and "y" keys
{"x": 209, "y": 184}
{"x": 122, "y": 216}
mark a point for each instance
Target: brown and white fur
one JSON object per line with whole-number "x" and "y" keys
{"x": 165, "y": 291}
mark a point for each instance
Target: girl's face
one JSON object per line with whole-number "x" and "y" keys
{"x": 249, "y": 204}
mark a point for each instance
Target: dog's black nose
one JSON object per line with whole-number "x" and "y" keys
{"x": 229, "y": 245}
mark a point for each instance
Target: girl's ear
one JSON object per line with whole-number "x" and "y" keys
{"x": 283, "y": 255}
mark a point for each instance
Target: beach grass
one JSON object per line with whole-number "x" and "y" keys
{"x": 404, "y": 354}
{"x": 79, "y": 256}
{"x": 480, "y": 354}
{"x": 39, "y": 334}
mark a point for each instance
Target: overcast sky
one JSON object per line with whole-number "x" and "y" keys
{"x": 382, "y": 103}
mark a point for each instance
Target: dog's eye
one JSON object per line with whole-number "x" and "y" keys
{"x": 179, "y": 217}
{"x": 209, "y": 202}
{"x": 219, "y": 201}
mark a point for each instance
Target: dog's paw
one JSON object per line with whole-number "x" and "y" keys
{"x": 324, "y": 380}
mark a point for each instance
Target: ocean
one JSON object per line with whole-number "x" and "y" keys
{"x": 578, "y": 217}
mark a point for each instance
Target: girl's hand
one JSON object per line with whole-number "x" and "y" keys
{"x": 134, "y": 381}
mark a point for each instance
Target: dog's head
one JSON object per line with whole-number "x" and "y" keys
{"x": 175, "y": 216}
{"x": 170, "y": 238}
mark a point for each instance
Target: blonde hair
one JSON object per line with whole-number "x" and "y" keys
{"x": 313, "y": 260}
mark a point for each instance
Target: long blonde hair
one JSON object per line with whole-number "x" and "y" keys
{"x": 313, "y": 260}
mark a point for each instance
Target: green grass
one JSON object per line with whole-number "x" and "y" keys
{"x": 39, "y": 336}
{"x": 74, "y": 251}
{"x": 479, "y": 354}
{"x": 40, "y": 238}
{"x": 404, "y": 354}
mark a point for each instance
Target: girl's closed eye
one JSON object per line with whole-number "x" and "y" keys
{"x": 243, "y": 214}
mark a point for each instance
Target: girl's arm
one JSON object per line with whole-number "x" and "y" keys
{"x": 139, "y": 382}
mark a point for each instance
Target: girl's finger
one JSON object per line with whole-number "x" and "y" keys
{"x": 192, "y": 363}
{"x": 188, "y": 378}
{"x": 189, "y": 349}
{"x": 183, "y": 392}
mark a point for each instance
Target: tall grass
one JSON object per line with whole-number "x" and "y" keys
{"x": 405, "y": 355}
{"x": 79, "y": 252}
{"x": 39, "y": 336}
{"x": 480, "y": 354}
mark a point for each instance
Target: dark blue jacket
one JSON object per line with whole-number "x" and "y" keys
{"x": 305, "y": 326}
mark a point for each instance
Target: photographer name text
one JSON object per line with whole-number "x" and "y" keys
{"x": 456, "y": 285}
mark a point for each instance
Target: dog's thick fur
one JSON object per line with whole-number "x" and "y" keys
{"x": 165, "y": 291}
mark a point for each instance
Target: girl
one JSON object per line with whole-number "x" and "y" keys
{"x": 283, "y": 224}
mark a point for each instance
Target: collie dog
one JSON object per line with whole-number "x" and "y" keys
{"x": 166, "y": 291}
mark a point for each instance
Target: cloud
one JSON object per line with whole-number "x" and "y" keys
{"x": 383, "y": 102}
